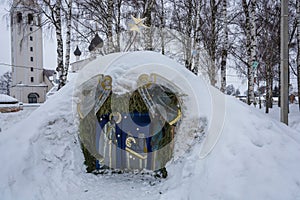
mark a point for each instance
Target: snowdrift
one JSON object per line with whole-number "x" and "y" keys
{"x": 242, "y": 154}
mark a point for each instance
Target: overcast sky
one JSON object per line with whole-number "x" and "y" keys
{"x": 49, "y": 42}
{"x": 4, "y": 38}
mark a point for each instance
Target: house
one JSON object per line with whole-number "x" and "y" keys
{"x": 95, "y": 48}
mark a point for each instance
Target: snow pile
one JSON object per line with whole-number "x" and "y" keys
{"x": 255, "y": 157}
{"x": 7, "y": 99}
{"x": 9, "y": 119}
{"x": 39, "y": 152}
{"x": 41, "y": 158}
{"x": 294, "y": 115}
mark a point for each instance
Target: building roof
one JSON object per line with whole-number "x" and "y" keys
{"x": 28, "y": 4}
{"x": 96, "y": 42}
{"x": 77, "y": 51}
{"x": 32, "y": 86}
{"x": 48, "y": 72}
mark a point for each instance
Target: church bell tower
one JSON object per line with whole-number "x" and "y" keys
{"x": 28, "y": 83}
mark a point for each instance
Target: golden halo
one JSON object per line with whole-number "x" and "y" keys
{"x": 119, "y": 116}
{"x": 143, "y": 79}
{"x": 107, "y": 83}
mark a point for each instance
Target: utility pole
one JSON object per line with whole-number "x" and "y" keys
{"x": 284, "y": 62}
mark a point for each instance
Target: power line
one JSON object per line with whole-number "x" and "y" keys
{"x": 20, "y": 66}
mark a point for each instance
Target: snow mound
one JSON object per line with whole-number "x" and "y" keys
{"x": 7, "y": 99}
{"x": 254, "y": 158}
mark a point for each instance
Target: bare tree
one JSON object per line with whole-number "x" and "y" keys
{"x": 162, "y": 26}
{"x": 103, "y": 17}
{"x": 210, "y": 35}
{"x": 249, "y": 10}
{"x": 298, "y": 47}
{"x": 60, "y": 45}
{"x": 188, "y": 35}
{"x": 197, "y": 37}
{"x": 248, "y": 43}
{"x": 5, "y": 83}
{"x": 110, "y": 8}
{"x": 213, "y": 46}
{"x": 68, "y": 35}
{"x": 253, "y": 47}
{"x": 269, "y": 22}
{"x": 148, "y": 6}
{"x": 225, "y": 46}
{"x": 53, "y": 12}
{"x": 118, "y": 28}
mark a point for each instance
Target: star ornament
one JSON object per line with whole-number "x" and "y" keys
{"x": 137, "y": 24}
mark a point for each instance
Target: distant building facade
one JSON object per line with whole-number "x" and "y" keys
{"x": 30, "y": 82}
{"x": 95, "y": 49}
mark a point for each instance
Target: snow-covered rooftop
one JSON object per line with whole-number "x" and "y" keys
{"x": 7, "y": 99}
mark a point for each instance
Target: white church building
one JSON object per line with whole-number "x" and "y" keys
{"x": 30, "y": 81}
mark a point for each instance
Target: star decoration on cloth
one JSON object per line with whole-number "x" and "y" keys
{"x": 137, "y": 24}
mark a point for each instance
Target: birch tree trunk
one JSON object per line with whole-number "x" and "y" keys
{"x": 248, "y": 44}
{"x": 68, "y": 38}
{"x": 197, "y": 38}
{"x": 162, "y": 27}
{"x": 118, "y": 26}
{"x": 148, "y": 22}
{"x": 110, "y": 7}
{"x": 298, "y": 54}
{"x": 253, "y": 59}
{"x": 213, "y": 42}
{"x": 188, "y": 39}
{"x": 269, "y": 86}
{"x": 225, "y": 47}
{"x": 60, "y": 45}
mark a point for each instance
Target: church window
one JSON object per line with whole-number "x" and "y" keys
{"x": 31, "y": 48}
{"x": 31, "y": 59}
{"x": 30, "y": 19}
{"x": 31, "y": 69}
{"x": 30, "y": 28}
{"x": 19, "y": 17}
{"x": 31, "y": 79}
{"x": 31, "y": 38}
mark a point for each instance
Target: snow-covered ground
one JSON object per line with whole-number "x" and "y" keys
{"x": 255, "y": 157}
{"x": 294, "y": 115}
{"x": 8, "y": 120}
